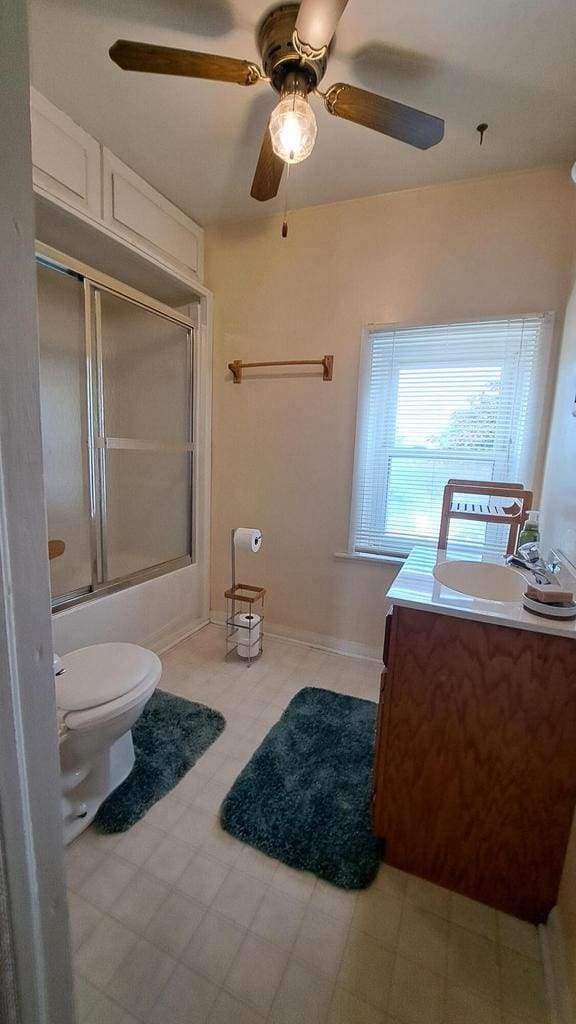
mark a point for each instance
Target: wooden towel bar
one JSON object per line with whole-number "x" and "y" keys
{"x": 327, "y": 364}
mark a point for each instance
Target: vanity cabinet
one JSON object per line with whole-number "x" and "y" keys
{"x": 475, "y": 771}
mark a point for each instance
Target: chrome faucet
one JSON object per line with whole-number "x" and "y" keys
{"x": 539, "y": 575}
{"x": 528, "y": 557}
{"x": 554, "y": 563}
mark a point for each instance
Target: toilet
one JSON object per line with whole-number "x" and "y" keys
{"x": 101, "y": 692}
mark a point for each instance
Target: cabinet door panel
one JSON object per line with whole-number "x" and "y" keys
{"x": 66, "y": 160}
{"x": 134, "y": 210}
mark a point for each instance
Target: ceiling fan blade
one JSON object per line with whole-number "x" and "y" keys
{"x": 316, "y": 24}
{"x": 164, "y": 60}
{"x": 387, "y": 116}
{"x": 268, "y": 172}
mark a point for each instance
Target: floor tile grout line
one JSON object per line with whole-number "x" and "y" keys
{"x": 395, "y": 952}
{"x": 119, "y": 967}
{"x": 209, "y": 907}
{"x": 103, "y": 992}
{"x": 279, "y": 985}
{"x": 247, "y": 932}
{"x": 173, "y": 889}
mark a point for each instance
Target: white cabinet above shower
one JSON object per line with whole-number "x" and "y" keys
{"x": 137, "y": 212}
{"x": 66, "y": 160}
{"x": 78, "y": 175}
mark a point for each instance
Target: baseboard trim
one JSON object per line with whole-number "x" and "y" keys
{"x": 304, "y": 638}
{"x": 553, "y": 957}
{"x": 163, "y": 642}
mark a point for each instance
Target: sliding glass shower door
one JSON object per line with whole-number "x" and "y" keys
{"x": 129, "y": 488}
{"x": 64, "y": 427}
{"x": 144, "y": 435}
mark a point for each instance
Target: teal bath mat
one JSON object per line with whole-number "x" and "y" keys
{"x": 305, "y": 796}
{"x": 169, "y": 737}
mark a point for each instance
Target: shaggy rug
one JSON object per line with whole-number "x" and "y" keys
{"x": 305, "y": 796}
{"x": 169, "y": 737}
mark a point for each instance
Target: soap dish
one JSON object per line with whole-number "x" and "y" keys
{"x": 566, "y": 610}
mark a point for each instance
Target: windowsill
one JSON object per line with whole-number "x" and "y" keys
{"x": 358, "y": 557}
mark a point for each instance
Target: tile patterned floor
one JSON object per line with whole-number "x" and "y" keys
{"x": 177, "y": 923}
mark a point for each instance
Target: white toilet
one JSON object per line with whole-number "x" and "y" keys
{"x": 100, "y": 693}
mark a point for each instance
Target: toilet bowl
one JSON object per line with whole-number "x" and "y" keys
{"x": 101, "y": 692}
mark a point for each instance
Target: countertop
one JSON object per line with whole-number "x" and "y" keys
{"x": 416, "y": 587}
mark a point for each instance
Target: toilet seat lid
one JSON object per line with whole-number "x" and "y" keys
{"x": 99, "y": 674}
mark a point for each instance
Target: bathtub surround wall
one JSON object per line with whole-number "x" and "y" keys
{"x": 559, "y": 529}
{"x": 156, "y": 614}
{"x": 284, "y": 446}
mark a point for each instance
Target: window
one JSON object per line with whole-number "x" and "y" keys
{"x": 116, "y": 389}
{"x": 457, "y": 400}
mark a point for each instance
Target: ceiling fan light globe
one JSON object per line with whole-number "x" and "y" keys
{"x": 293, "y": 129}
{"x": 317, "y": 22}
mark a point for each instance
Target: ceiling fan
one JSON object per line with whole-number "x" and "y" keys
{"x": 294, "y": 42}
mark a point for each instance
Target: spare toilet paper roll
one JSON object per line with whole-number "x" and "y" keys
{"x": 247, "y": 539}
{"x": 245, "y": 634}
{"x": 249, "y": 651}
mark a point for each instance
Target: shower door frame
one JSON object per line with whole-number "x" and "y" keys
{"x": 94, "y": 284}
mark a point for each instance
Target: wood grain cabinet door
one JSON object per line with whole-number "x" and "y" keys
{"x": 476, "y": 763}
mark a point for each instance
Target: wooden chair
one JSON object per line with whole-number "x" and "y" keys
{"x": 513, "y": 515}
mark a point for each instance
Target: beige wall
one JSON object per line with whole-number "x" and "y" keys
{"x": 283, "y": 449}
{"x": 559, "y": 530}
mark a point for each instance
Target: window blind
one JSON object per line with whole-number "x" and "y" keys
{"x": 458, "y": 400}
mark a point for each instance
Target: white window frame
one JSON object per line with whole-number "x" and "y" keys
{"x": 394, "y": 556}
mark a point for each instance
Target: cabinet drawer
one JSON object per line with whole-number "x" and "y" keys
{"x": 137, "y": 212}
{"x": 66, "y": 160}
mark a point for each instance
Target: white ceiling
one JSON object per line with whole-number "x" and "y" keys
{"x": 511, "y": 63}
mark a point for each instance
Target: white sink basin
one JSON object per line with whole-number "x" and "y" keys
{"x": 486, "y": 580}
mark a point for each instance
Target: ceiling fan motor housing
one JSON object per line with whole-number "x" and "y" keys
{"x": 279, "y": 57}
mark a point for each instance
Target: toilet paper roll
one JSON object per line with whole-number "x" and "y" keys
{"x": 247, "y": 539}
{"x": 246, "y": 635}
{"x": 248, "y": 651}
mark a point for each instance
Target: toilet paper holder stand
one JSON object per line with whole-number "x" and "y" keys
{"x": 238, "y": 635}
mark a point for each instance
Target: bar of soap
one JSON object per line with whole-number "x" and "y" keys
{"x": 548, "y": 593}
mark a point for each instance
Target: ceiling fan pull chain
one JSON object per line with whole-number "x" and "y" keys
{"x": 285, "y": 220}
